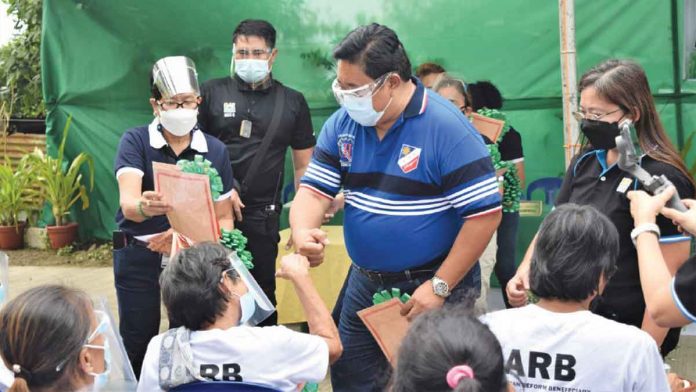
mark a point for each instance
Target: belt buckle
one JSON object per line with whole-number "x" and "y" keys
{"x": 270, "y": 208}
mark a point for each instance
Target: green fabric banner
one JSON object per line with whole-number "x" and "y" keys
{"x": 97, "y": 57}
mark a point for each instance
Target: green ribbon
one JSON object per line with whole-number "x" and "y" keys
{"x": 235, "y": 240}
{"x": 387, "y": 295}
{"x": 512, "y": 191}
{"x": 200, "y": 165}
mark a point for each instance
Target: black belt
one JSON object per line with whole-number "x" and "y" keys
{"x": 383, "y": 278}
{"x": 122, "y": 239}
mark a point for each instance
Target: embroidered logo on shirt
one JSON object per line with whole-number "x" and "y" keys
{"x": 408, "y": 158}
{"x": 229, "y": 109}
{"x": 345, "y": 149}
{"x": 624, "y": 184}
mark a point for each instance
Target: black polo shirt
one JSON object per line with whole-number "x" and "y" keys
{"x": 590, "y": 181}
{"x": 141, "y": 146}
{"x": 684, "y": 289}
{"x": 510, "y": 146}
{"x": 226, "y": 102}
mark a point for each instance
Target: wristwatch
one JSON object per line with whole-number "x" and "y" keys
{"x": 440, "y": 287}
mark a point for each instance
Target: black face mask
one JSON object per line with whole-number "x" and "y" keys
{"x": 601, "y": 134}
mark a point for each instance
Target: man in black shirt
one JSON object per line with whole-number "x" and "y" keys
{"x": 240, "y": 110}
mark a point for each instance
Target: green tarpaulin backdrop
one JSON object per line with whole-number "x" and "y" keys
{"x": 97, "y": 55}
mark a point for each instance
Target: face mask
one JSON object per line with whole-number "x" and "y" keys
{"x": 360, "y": 109}
{"x": 101, "y": 379}
{"x": 2, "y": 294}
{"x": 248, "y": 306}
{"x": 179, "y": 122}
{"x": 358, "y": 104}
{"x": 601, "y": 134}
{"x": 250, "y": 70}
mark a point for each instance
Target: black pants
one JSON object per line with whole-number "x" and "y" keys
{"x": 136, "y": 275}
{"x": 261, "y": 227}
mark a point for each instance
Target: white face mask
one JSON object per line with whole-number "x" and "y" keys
{"x": 179, "y": 122}
{"x": 358, "y": 103}
{"x": 250, "y": 70}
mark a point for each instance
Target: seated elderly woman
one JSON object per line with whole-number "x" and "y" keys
{"x": 558, "y": 342}
{"x": 53, "y": 340}
{"x": 205, "y": 294}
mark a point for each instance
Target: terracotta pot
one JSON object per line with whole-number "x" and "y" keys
{"x": 62, "y": 236}
{"x": 12, "y": 237}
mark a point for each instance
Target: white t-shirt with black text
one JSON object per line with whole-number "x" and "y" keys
{"x": 576, "y": 352}
{"x": 274, "y": 356}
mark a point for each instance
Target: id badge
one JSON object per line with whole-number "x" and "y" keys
{"x": 165, "y": 261}
{"x": 245, "y": 129}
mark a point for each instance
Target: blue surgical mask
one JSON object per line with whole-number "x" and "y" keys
{"x": 247, "y": 305}
{"x": 3, "y": 294}
{"x": 101, "y": 379}
{"x": 250, "y": 70}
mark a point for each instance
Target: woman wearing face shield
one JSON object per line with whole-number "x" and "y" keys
{"x": 214, "y": 303}
{"x": 52, "y": 339}
{"x": 610, "y": 92}
{"x": 143, "y": 241}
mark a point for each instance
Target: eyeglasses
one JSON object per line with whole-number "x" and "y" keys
{"x": 592, "y": 116}
{"x": 173, "y": 105}
{"x": 253, "y": 53}
{"x": 358, "y": 92}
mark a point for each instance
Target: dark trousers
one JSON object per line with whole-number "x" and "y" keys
{"x": 261, "y": 227}
{"x": 136, "y": 275}
{"x": 363, "y": 367}
{"x": 506, "y": 256}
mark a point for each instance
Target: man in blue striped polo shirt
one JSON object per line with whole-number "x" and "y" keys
{"x": 421, "y": 194}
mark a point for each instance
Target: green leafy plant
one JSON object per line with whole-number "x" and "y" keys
{"x": 61, "y": 182}
{"x": 15, "y": 180}
{"x": 20, "y": 62}
{"x": 15, "y": 197}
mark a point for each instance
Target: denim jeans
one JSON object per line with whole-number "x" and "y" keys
{"x": 363, "y": 367}
{"x": 507, "y": 246}
{"x": 136, "y": 275}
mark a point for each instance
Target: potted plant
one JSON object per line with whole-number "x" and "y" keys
{"x": 14, "y": 200}
{"x": 20, "y": 68}
{"x": 61, "y": 185}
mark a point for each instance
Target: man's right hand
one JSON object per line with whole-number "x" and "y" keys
{"x": 310, "y": 243}
{"x": 517, "y": 288}
{"x": 293, "y": 266}
{"x": 237, "y": 205}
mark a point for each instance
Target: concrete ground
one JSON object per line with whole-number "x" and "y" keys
{"x": 99, "y": 282}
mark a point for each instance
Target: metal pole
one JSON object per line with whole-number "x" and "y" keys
{"x": 566, "y": 14}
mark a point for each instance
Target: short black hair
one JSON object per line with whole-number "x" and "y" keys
{"x": 376, "y": 49}
{"x": 575, "y": 247}
{"x": 191, "y": 289}
{"x": 258, "y": 28}
{"x": 441, "y": 339}
{"x": 154, "y": 91}
{"x": 485, "y": 95}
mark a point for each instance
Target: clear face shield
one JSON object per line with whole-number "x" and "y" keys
{"x": 119, "y": 373}
{"x": 264, "y": 307}
{"x": 4, "y": 277}
{"x": 175, "y": 75}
